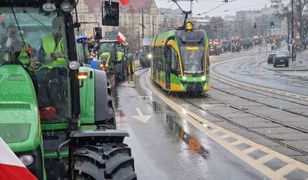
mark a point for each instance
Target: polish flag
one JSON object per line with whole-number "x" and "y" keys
{"x": 121, "y": 38}
{"x": 10, "y": 166}
{"x": 125, "y": 2}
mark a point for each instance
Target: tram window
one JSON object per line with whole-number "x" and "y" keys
{"x": 174, "y": 61}
{"x": 159, "y": 58}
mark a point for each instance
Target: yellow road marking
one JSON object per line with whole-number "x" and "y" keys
{"x": 195, "y": 120}
{"x": 249, "y": 150}
{"x": 265, "y": 159}
{"x": 225, "y": 136}
{"x": 236, "y": 143}
{"x": 215, "y": 130}
{"x": 286, "y": 169}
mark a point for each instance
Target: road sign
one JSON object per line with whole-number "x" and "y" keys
{"x": 289, "y": 40}
{"x": 111, "y": 35}
{"x": 147, "y": 41}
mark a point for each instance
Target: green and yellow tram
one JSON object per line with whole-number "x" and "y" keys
{"x": 181, "y": 60}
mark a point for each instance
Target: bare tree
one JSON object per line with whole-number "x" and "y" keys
{"x": 299, "y": 11}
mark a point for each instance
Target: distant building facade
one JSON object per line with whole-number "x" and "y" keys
{"x": 130, "y": 20}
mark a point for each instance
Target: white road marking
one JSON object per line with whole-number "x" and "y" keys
{"x": 141, "y": 117}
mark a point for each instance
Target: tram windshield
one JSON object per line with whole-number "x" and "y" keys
{"x": 192, "y": 59}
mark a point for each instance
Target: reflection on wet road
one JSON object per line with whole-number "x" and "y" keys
{"x": 166, "y": 146}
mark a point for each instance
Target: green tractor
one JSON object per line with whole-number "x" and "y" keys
{"x": 112, "y": 55}
{"x": 75, "y": 137}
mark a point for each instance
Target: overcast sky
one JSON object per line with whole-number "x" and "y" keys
{"x": 209, "y": 6}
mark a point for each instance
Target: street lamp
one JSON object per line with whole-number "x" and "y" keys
{"x": 292, "y": 28}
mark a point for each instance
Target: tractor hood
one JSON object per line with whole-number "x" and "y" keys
{"x": 19, "y": 116}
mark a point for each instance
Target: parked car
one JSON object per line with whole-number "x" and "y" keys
{"x": 281, "y": 59}
{"x": 286, "y": 52}
{"x": 270, "y": 58}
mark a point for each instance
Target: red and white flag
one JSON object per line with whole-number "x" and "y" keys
{"x": 10, "y": 166}
{"x": 121, "y": 38}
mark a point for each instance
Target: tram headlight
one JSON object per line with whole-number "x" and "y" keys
{"x": 149, "y": 56}
{"x": 184, "y": 78}
{"x": 203, "y": 78}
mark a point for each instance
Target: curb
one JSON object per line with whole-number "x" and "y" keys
{"x": 264, "y": 64}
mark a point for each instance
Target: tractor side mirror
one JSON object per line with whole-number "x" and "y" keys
{"x": 98, "y": 33}
{"x": 110, "y": 13}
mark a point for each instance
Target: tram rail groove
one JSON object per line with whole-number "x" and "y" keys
{"x": 295, "y": 99}
{"x": 265, "y": 104}
{"x": 251, "y": 130}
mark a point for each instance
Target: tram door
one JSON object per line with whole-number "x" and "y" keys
{"x": 167, "y": 55}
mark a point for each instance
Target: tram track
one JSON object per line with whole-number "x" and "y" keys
{"x": 266, "y": 104}
{"x": 238, "y": 144}
{"x": 264, "y": 92}
{"x": 228, "y": 120}
{"x": 236, "y": 83}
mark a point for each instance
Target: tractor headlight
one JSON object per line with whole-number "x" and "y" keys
{"x": 67, "y": 7}
{"x": 203, "y": 78}
{"x": 49, "y": 7}
{"x": 74, "y": 65}
{"x": 27, "y": 160}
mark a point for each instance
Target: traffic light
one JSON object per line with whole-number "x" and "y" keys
{"x": 272, "y": 25}
{"x": 255, "y": 25}
{"x": 97, "y": 33}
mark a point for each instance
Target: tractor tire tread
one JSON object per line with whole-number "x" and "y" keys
{"x": 117, "y": 162}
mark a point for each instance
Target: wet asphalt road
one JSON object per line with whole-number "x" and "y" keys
{"x": 249, "y": 68}
{"x": 166, "y": 146}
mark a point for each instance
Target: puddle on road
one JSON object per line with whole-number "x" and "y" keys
{"x": 174, "y": 124}
{"x": 178, "y": 128}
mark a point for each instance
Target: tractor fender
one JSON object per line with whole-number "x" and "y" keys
{"x": 101, "y": 97}
{"x": 93, "y": 136}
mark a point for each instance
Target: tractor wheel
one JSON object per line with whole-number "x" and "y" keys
{"x": 105, "y": 161}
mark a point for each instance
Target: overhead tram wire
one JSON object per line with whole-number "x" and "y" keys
{"x": 186, "y": 13}
{"x": 215, "y": 8}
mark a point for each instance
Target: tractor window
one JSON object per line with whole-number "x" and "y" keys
{"x": 37, "y": 41}
{"x": 80, "y": 52}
